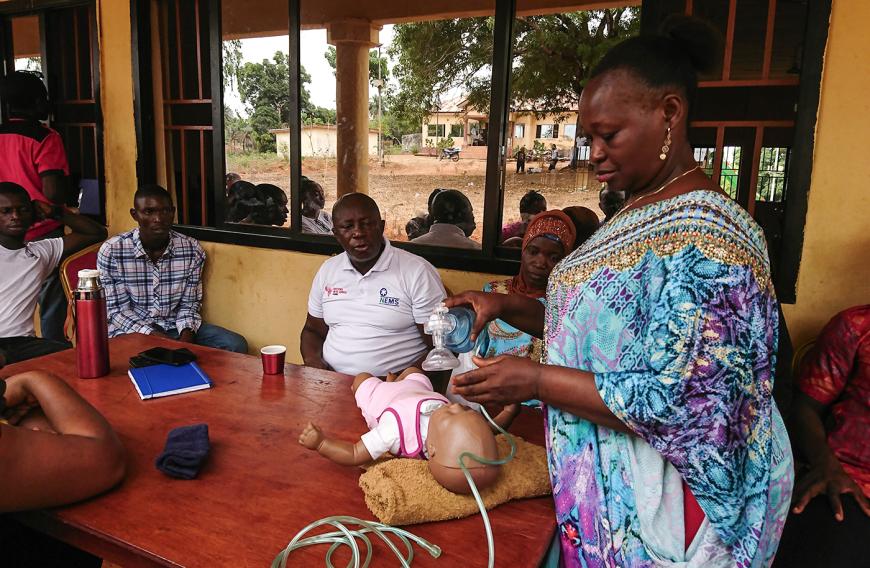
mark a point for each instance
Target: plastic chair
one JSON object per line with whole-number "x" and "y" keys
{"x": 69, "y": 278}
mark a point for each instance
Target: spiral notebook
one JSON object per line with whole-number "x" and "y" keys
{"x": 165, "y": 380}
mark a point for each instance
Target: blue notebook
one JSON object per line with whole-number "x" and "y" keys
{"x": 165, "y": 380}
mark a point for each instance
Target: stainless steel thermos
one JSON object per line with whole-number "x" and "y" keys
{"x": 92, "y": 327}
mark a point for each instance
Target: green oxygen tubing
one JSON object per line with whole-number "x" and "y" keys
{"x": 345, "y": 536}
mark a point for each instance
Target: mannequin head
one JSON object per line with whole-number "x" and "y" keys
{"x": 454, "y": 429}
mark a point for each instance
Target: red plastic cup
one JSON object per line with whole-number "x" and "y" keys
{"x": 273, "y": 359}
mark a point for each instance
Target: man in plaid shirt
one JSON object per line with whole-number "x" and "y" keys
{"x": 153, "y": 278}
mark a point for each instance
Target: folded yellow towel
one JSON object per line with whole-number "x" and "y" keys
{"x": 403, "y": 492}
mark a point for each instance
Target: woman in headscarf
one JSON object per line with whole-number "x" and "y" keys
{"x": 549, "y": 237}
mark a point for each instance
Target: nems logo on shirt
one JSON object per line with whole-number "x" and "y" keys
{"x": 387, "y": 300}
{"x": 330, "y": 291}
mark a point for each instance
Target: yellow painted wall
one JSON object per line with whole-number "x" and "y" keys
{"x": 835, "y": 267}
{"x": 116, "y": 96}
{"x": 263, "y": 293}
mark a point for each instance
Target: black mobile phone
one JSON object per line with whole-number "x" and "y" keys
{"x": 162, "y": 355}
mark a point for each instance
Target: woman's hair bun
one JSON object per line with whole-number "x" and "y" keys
{"x": 696, "y": 38}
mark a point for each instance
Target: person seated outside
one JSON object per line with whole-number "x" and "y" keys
{"x": 610, "y": 202}
{"x": 585, "y": 221}
{"x": 830, "y": 425}
{"x": 420, "y": 224}
{"x": 242, "y": 201}
{"x": 32, "y": 156}
{"x": 367, "y": 306}
{"x": 55, "y": 449}
{"x": 314, "y": 219}
{"x": 549, "y": 238}
{"x": 153, "y": 278}
{"x": 24, "y": 266}
{"x": 452, "y": 222}
{"x": 229, "y": 180}
{"x": 275, "y": 200}
{"x": 263, "y": 204}
{"x": 531, "y": 204}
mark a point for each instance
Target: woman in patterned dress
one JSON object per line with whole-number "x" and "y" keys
{"x": 665, "y": 447}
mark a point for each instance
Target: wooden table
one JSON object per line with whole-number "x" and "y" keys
{"x": 259, "y": 486}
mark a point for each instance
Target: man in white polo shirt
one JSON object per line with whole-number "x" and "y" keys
{"x": 367, "y": 305}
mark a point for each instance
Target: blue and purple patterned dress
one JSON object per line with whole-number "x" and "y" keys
{"x": 671, "y": 306}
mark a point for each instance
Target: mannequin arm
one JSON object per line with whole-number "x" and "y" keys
{"x": 339, "y": 451}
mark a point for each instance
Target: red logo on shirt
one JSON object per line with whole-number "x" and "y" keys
{"x": 334, "y": 291}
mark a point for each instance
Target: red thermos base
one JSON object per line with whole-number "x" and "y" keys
{"x": 92, "y": 338}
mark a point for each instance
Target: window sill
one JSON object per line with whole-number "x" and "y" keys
{"x": 505, "y": 261}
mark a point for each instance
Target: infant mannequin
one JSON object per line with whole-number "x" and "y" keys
{"x": 407, "y": 419}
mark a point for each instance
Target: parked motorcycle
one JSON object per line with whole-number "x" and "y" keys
{"x": 450, "y": 154}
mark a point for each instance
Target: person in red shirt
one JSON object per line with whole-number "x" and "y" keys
{"x": 831, "y": 428}
{"x": 32, "y": 156}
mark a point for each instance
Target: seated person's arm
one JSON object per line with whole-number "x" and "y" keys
{"x": 54, "y": 184}
{"x": 84, "y": 231}
{"x": 52, "y": 165}
{"x": 188, "y": 318}
{"x": 43, "y": 469}
{"x": 122, "y": 317}
{"x": 823, "y": 378}
{"x": 826, "y": 475}
{"x": 506, "y": 417}
{"x": 439, "y": 379}
{"x": 311, "y": 342}
{"x": 426, "y": 292}
{"x": 340, "y": 452}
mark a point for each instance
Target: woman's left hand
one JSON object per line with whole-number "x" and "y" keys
{"x": 499, "y": 380}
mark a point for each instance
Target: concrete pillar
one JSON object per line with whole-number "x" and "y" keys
{"x": 352, "y": 40}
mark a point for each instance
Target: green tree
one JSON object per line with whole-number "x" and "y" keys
{"x": 264, "y": 88}
{"x": 553, "y": 57}
{"x": 232, "y": 61}
{"x": 393, "y": 126}
{"x": 374, "y": 61}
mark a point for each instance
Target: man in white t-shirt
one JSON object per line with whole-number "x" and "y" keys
{"x": 24, "y": 267}
{"x": 367, "y": 306}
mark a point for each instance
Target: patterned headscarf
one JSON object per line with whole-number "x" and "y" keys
{"x": 553, "y": 225}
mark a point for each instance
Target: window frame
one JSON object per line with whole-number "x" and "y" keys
{"x": 437, "y": 126}
{"x": 492, "y": 258}
{"x": 539, "y": 129}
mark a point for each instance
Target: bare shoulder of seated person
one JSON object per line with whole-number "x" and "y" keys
{"x": 408, "y": 419}
{"x": 55, "y": 447}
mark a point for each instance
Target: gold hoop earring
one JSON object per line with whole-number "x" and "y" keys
{"x": 667, "y": 145}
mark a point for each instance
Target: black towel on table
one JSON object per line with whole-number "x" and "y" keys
{"x": 185, "y": 451}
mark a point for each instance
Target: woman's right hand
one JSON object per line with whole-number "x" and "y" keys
{"x": 487, "y": 307}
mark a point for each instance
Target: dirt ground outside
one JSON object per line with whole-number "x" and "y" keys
{"x": 402, "y": 185}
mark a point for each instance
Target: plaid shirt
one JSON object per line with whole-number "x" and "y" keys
{"x": 141, "y": 294}
{"x": 836, "y": 373}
